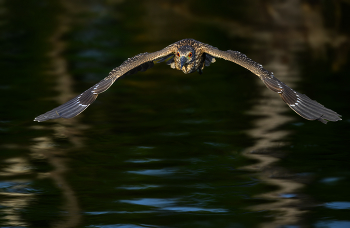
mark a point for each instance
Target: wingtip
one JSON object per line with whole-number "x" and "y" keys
{"x": 325, "y": 121}
{"x": 42, "y": 118}
{"x": 36, "y": 119}
{"x": 322, "y": 120}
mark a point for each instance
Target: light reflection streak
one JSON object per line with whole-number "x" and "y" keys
{"x": 11, "y": 208}
{"x": 268, "y": 139}
{"x": 284, "y": 42}
{"x": 15, "y": 166}
{"x": 15, "y": 196}
{"x": 44, "y": 146}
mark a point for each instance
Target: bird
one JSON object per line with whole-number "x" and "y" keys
{"x": 189, "y": 56}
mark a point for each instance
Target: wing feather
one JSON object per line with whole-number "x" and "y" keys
{"x": 75, "y": 106}
{"x": 300, "y": 103}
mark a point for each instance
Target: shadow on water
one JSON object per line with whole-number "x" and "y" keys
{"x": 163, "y": 149}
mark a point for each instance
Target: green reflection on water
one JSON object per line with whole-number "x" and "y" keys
{"x": 160, "y": 148}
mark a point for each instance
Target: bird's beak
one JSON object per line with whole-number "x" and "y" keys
{"x": 183, "y": 61}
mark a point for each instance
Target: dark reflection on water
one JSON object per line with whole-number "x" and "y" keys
{"x": 164, "y": 149}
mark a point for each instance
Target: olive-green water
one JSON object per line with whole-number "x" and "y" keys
{"x": 163, "y": 149}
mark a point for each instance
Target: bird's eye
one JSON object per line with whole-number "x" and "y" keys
{"x": 178, "y": 54}
{"x": 190, "y": 55}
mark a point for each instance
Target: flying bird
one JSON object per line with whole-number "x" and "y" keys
{"x": 190, "y": 56}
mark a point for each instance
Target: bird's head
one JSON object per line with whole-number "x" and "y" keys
{"x": 184, "y": 56}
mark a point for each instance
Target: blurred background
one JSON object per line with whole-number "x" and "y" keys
{"x": 161, "y": 148}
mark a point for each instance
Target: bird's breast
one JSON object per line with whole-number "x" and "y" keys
{"x": 193, "y": 66}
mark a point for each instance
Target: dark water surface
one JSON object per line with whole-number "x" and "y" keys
{"x": 165, "y": 149}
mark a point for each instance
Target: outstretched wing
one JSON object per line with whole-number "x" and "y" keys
{"x": 300, "y": 103}
{"x": 132, "y": 65}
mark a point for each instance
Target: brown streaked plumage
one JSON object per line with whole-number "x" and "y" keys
{"x": 189, "y": 56}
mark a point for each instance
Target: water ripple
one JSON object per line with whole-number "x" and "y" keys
{"x": 154, "y": 172}
{"x": 338, "y": 205}
{"x": 216, "y": 144}
{"x": 122, "y": 226}
{"x": 169, "y": 204}
{"x": 141, "y": 187}
{"x": 143, "y": 160}
{"x": 331, "y": 180}
{"x": 332, "y": 224}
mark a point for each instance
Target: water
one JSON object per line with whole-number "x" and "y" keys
{"x": 164, "y": 149}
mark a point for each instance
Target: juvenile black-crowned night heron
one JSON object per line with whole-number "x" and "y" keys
{"x": 189, "y": 56}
